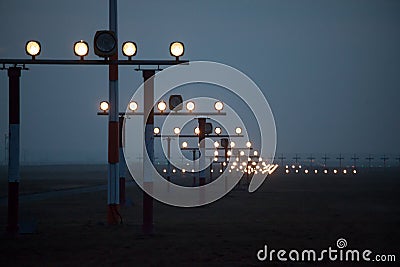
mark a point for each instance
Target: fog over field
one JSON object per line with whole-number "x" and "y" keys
{"x": 329, "y": 69}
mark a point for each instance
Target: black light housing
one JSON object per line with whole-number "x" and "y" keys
{"x": 224, "y": 142}
{"x": 105, "y": 44}
{"x": 208, "y": 128}
{"x": 175, "y": 102}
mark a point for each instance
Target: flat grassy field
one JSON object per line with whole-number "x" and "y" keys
{"x": 287, "y": 212}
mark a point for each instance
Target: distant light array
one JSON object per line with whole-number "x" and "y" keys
{"x": 299, "y": 170}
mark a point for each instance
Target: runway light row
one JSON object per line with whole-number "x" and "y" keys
{"x": 325, "y": 171}
{"x": 161, "y": 105}
{"x": 268, "y": 168}
{"x": 105, "y": 45}
{"x": 177, "y": 131}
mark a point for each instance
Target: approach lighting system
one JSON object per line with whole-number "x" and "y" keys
{"x": 81, "y": 49}
{"x": 176, "y": 49}
{"x": 129, "y": 49}
{"x": 175, "y": 102}
{"x": 32, "y": 48}
{"x": 105, "y": 44}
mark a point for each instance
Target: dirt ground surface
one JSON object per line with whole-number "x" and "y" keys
{"x": 287, "y": 212}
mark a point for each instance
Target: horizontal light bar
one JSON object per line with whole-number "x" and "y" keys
{"x": 93, "y": 62}
{"x": 195, "y": 135}
{"x": 173, "y": 113}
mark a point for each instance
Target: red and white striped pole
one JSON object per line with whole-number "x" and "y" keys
{"x": 225, "y": 144}
{"x": 202, "y": 136}
{"x": 113, "y": 129}
{"x": 148, "y": 76}
{"x": 194, "y": 166}
{"x": 122, "y": 163}
{"x": 202, "y": 159}
{"x": 14, "y": 74}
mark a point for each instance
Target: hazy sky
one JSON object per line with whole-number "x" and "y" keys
{"x": 329, "y": 69}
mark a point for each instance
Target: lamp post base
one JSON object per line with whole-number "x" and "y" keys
{"x": 148, "y": 226}
{"x": 122, "y": 194}
{"x": 12, "y": 224}
{"x": 113, "y": 215}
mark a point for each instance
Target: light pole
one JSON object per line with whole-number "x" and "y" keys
{"x": 5, "y": 148}
{"x": 340, "y": 158}
{"x": 369, "y": 158}
{"x": 282, "y": 158}
{"x": 194, "y": 150}
{"x": 311, "y": 158}
{"x": 384, "y": 158}
{"x": 14, "y": 74}
{"x": 148, "y": 76}
{"x": 296, "y": 158}
{"x": 325, "y": 158}
{"x": 202, "y": 136}
{"x": 354, "y": 158}
{"x": 122, "y": 163}
{"x": 169, "y": 159}
{"x": 113, "y": 127}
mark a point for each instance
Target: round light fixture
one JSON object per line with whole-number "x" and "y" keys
{"x": 129, "y": 49}
{"x": 238, "y": 130}
{"x": 81, "y": 49}
{"x": 162, "y": 106}
{"x": 104, "y": 106}
{"x": 133, "y": 106}
{"x": 219, "y": 106}
{"x": 190, "y": 106}
{"x": 176, "y": 49}
{"x": 32, "y": 48}
{"x": 177, "y": 130}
